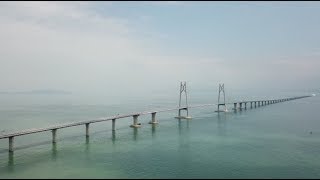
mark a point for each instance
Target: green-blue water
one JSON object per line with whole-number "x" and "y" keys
{"x": 272, "y": 141}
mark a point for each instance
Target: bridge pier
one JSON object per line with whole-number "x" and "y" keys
{"x": 153, "y": 118}
{"x": 240, "y": 105}
{"x": 135, "y": 122}
{"x": 11, "y": 143}
{"x": 245, "y": 105}
{"x": 251, "y": 105}
{"x": 54, "y": 135}
{"x": 183, "y": 117}
{"x": 87, "y": 129}
{"x": 235, "y": 106}
{"x": 225, "y": 108}
{"x": 113, "y": 124}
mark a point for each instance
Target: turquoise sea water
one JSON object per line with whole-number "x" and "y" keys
{"x": 272, "y": 141}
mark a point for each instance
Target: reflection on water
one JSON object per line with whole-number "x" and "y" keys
{"x": 135, "y": 134}
{"x": 54, "y": 151}
{"x": 87, "y": 140}
{"x": 184, "y": 145}
{"x": 113, "y": 137}
{"x": 222, "y": 117}
{"x": 87, "y": 144}
{"x": 10, "y": 162}
{"x": 153, "y": 130}
{"x": 183, "y": 125}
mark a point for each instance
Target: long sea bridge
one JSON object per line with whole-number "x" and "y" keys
{"x": 239, "y": 105}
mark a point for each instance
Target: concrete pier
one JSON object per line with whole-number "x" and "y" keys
{"x": 153, "y": 118}
{"x": 11, "y": 144}
{"x": 135, "y": 122}
{"x": 245, "y": 105}
{"x": 183, "y": 117}
{"x": 250, "y": 104}
{"x": 240, "y": 106}
{"x": 113, "y": 124}
{"x": 87, "y": 129}
{"x": 235, "y": 106}
{"x": 54, "y": 135}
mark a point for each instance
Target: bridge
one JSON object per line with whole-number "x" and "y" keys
{"x": 183, "y": 89}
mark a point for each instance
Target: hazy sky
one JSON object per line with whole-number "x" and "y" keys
{"x": 142, "y": 47}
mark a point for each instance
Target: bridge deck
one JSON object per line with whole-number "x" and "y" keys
{"x": 36, "y": 130}
{"x": 60, "y": 126}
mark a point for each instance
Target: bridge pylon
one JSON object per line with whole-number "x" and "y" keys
{"x": 183, "y": 89}
{"x": 221, "y": 90}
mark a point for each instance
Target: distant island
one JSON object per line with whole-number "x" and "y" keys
{"x": 35, "y": 92}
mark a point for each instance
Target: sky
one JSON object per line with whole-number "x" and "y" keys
{"x": 138, "y": 48}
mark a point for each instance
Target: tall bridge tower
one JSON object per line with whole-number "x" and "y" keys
{"x": 221, "y": 90}
{"x": 183, "y": 89}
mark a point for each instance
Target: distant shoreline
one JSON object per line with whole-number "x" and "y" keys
{"x": 36, "y": 92}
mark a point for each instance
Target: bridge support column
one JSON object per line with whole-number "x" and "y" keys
{"x": 183, "y": 117}
{"x": 245, "y": 105}
{"x": 87, "y": 129}
{"x": 153, "y": 119}
{"x": 113, "y": 124}
{"x": 251, "y": 105}
{"x": 11, "y": 144}
{"x": 240, "y": 106}
{"x": 135, "y": 122}
{"x": 54, "y": 135}
{"x": 235, "y": 106}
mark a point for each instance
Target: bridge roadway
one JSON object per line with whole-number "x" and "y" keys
{"x": 60, "y": 126}
{"x": 134, "y": 115}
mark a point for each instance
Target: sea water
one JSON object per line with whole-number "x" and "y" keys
{"x": 280, "y": 140}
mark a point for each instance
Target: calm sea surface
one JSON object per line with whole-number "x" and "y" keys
{"x": 272, "y": 141}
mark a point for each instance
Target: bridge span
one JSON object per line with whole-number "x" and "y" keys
{"x": 183, "y": 89}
